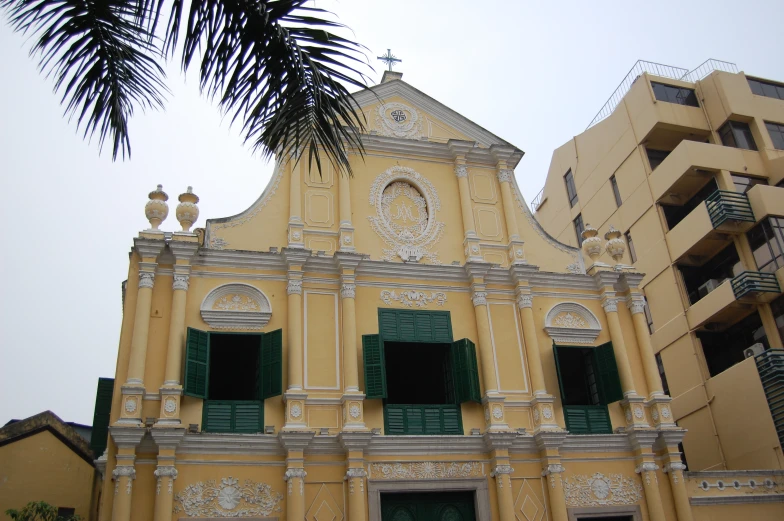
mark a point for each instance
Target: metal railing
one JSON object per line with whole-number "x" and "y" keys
{"x": 664, "y": 71}
{"x": 754, "y": 282}
{"x": 724, "y": 205}
{"x": 536, "y": 202}
{"x": 770, "y": 365}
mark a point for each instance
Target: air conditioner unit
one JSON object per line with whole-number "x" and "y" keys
{"x": 709, "y": 286}
{"x": 754, "y": 350}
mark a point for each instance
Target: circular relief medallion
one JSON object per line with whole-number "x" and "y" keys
{"x": 628, "y": 415}
{"x": 600, "y": 486}
{"x": 638, "y": 413}
{"x": 665, "y": 412}
{"x": 170, "y": 405}
{"x": 547, "y": 413}
{"x": 497, "y": 412}
{"x": 536, "y": 415}
{"x": 398, "y": 120}
{"x": 229, "y": 497}
{"x": 130, "y": 405}
{"x": 353, "y": 410}
{"x": 398, "y": 115}
{"x": 295, "y": 411}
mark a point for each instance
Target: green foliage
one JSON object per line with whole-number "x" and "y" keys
{"x": 274, "y": 65}
{"x": 38, "y": 511}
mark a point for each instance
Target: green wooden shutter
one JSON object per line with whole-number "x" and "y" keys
{"x": 101, "y": 414}
{"x": 270, "y": 382}
{"x": 197, "y": 363}
{"x": 375, "y": 372}
{"x": 556, "y": 352}
{"x": 576, "y": 418}
{"x": 394, "y": 420}
{"x": 248, "y": 417}
{"x": 216, "y": 416}
{"x": 599, "y": 420}
{"x": 403, "y": 325}
{"x": 453, "y": 420}
{"x": 607, "y": 374}
{"x": 466, "y": 372}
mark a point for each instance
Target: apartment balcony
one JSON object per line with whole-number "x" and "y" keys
{"x": 709, "y": 227}
{"x": 691, "y": 163}
{"x": 770, "y": 365}
{"x": 729, "y": 300}
{"x": 766, "y": 200}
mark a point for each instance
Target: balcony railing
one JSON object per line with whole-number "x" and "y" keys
{"x": 664, "y": 71}
{"x": 770, "y": 365}
{"x": 755, "y": 282}
{"x": 422, "y": 419}
{"x": 724, "y": 205}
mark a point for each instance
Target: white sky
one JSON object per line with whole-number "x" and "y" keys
{"x": 533, "y": 73}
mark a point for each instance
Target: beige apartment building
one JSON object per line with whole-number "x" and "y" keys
{"x": 689, "y": 166}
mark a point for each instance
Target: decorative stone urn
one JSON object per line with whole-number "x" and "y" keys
{"x": 187, "y": 212}
{"x": 592, "y": 244}
{"x": 616, "y": 246}
{"x": 156, "y": 208}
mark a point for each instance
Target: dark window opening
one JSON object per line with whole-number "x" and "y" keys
{"x": 675, "y": 214}
{"x": 66, "y": 512}
{"x": 701, "y": 280}
{"x": 662, "y": 375}
{"x": 767, "y": 244}
{"x": 776, "y": 131}
{"x": 428, "y": 381}
{"x": 428, "y": 506}
{"x": 683, "y": 456}
{"x": 579, "y": 228}
{"x": 764, "y": 88}
{"x": 234, "y": 361}
{"x": 744, "y": 183}
{"x": 724, "y": 349}
{"x": 605, "y": 518}
{"x": 571, "y": 191}
{"x": 579, "y": 376}
{"x": 616, "y": 191}
{"x": 632, "y": 252}
{"x": 738, "y": 135}
{"x": 655, "y": 157}
{"x": 777, "y": 307}
{"x": 672, "y": 94}
{"x": 648, "y": 317}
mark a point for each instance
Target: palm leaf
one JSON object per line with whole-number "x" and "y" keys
{"x": 103, "y": 62}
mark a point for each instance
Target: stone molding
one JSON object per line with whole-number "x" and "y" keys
{"x": 146, "y": 279}
{"x": 579, "y": 325}
{"x": 180, "y": 282}
{"x": 236, "y": 306}
{"x": 505, "y": 175}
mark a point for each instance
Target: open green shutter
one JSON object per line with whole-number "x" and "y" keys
{"x": 607, "y": 373}
{"x": 405, "y": 325}
{"x": 466, "y": 372}
{"x": 375, "y": 372}
{"x": 103, "y": 409}
{"x": 197, "y": 363}
{"x": 556, "y": 352}
{"x": 271, "y": 365}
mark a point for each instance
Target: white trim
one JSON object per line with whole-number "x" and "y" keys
{"x": 478, "y": 485}
{"x": 236, "y": 319}
{"x": 337, "y": 340}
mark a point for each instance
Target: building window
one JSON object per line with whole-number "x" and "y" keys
{"x": 65, "y": 512}
{"x": 446, "y": 372}
{"x": 616, "y": 192}
{"x": 648, "y": 317}
{"x": 767, "y": 244}
{"x": 777, "y": 308}
{"x": 233, "y": 374}
{"x": 655, "y": 157}
{"x": 776, "y": 131}
{"x": 571, "y": 191}
{"x": 701, "y": 280}
{"x": 738, "y": 135}
{"x": 672, "y": 94}
{"x": 674, "y": 214}
{"x": 588, "y": 381}
{"x": 764, "y": 88}
{"x": 723, "y": 347}
{"x": 743, "y": 183}
{"x": 663, "y": 376}
{"x": 632, "y": 252}
{"x": 579, "y": 228}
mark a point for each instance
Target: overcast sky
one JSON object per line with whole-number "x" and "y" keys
{"x": 533, "y": 73}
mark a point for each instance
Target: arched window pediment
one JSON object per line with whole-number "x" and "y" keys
{"x": 236, "y": 306}
{"x": 572, "y": 323}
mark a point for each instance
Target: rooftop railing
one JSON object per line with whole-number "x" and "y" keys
{"x": 754, "y": 282}
{"x": 665, "y": 71}
{"x": 536, "y": 202}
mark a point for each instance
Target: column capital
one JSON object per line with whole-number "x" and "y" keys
{"x": 461, "y": 171}
{"x": 181, "y": 281}
{"x": 505, "y": 175}
{"x": 552, "y": 468}
{"x": 479, "y": 298}
{"x": 525, "y": 300}
{"x": 294, "y": 472}
{"x": 348, "y": 290}
{"x": 636, "y": 304}
{"x": 355, "y": 472}
{"x": 646, "y": 466}
{"x": 610, "y": 305}
{"x": 294, "y": 287}
{"x": 146, "y": 279}
{"x": 500, "y": 470}
{"x": 673, "y": 467}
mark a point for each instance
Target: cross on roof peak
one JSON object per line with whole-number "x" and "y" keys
{"x": 389, "y": 58}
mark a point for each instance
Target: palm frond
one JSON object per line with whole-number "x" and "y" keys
{"x": 276, "y": 66}
{"x": 103, "y": 61}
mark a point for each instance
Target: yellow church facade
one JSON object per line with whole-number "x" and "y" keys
{"x": 401, "y": 345}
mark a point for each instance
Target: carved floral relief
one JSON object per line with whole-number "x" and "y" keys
{"x": 228, "y": 498}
